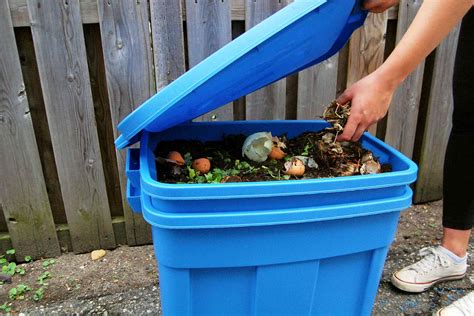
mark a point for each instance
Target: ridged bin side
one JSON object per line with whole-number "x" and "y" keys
{"x": 322, "y": 268}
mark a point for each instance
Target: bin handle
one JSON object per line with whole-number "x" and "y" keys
{"x": 132, "y": 166}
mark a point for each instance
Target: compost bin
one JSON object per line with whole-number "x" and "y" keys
{"x": 314, "y": 246}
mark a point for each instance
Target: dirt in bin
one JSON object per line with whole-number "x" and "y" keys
{"x": 331, "y": 159}
{"x": 266, "y": 157}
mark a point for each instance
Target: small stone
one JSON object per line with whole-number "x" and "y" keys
{"x": 97, "y": 254}
{"x": 5, "y": 278}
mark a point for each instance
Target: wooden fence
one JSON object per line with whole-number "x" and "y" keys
{"x": 71, "y": 70}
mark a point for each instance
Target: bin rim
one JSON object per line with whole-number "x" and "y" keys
{"x": 207, "y": 191}
{"x": 267, "y": 217}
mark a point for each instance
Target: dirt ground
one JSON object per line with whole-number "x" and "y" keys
{"x": 125, "y": 280}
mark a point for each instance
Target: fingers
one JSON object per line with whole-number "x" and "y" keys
{"x": 378, "y": 6}
{"x": 358, "y": 133}
{"x": 379, "y": 9}
{"x": 371, "y": 4}
{"x": 345, "y": 97}
{"x": 349, "y": 130}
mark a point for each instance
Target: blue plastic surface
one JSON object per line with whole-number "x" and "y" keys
{"x": 296, "y": 37}
{"x": 269, "y": 248}
{"x": 330, "y": 267}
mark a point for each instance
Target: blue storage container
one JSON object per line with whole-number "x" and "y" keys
{"x": 264, "y": 248}
{"x": 299, "y": 247}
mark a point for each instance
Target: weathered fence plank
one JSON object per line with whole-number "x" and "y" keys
{"x": 29, "y": 68}
{"x": 317, "y": 88}
{"x": 403, "y": 113}
{"x": 168, "y": 41}
{"x": 100, "y": 98}
{"x": 429, "y": 185}
{"x": 270, "y": 101}
{"x": 23, "y": 195}
{"x": 90, "y": 15}
{"x": 62, "y": 64}
{"x": 19, "y": 12}
{"x": 366, "y": 50}
{"x": 209, "y": 28}
{"x": 128, "y": 64}
{"x": 238, "y": 28}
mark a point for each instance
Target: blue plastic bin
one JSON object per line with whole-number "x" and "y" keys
{"x": 264, "y": 248}
{"x": 269, "y": 248}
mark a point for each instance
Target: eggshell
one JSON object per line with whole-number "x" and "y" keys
{"x": 203, "y": 165}
{"x": 294, "y": 167}
{"x": 176, "y": 156}
{"x": 277, "y": 153}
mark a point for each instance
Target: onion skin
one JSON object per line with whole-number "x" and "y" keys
{"x": 203, "y": 165}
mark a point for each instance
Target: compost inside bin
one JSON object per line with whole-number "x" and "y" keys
{"x": 266, "y": 157}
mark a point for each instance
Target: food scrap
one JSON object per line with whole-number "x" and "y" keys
{"x": 267, "y": 157}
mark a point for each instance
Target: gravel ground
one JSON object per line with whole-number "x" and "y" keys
{"x": 125, "y": 280}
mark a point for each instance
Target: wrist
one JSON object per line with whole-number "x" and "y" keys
{"x": 390, "y": 79}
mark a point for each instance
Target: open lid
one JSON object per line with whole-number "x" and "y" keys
{"x": 298, "y": 36}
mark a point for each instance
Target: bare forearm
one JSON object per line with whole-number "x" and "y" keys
{"x": 433, "y": 22}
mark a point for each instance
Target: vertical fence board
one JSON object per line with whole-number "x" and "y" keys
{"x": 62, "y": 64}
{"x": 23, "y": 191}
{"x": 168, "y": 41}
{"x": 209, "y": 28}
{"x": 366, "y": 50}
{"x": 238, "y": 28}
{"x": 429, "y": 185}
{"x": 270, "y": 101}
{"x": 317, "y": 88}
{"x": 291, "y": 96}
{"x": 129, "y": 71}
{"x": 105, "y": 131}
{"x": 403, "y": 114}
{"x": 342, "y": 64}
{"x": 40, "y": 121}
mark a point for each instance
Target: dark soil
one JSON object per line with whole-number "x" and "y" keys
{"x": 334, "y": 159}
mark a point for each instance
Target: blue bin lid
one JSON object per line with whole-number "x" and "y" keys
{"x": 300, "y": 35}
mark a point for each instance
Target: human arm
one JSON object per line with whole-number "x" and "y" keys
{"x": 371, "y": 96}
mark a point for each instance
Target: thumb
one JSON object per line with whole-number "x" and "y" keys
{"x": 345, "y": 97}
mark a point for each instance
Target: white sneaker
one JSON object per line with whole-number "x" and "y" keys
{"x": 436, "y": 266}
{"x": 463, "y": 306}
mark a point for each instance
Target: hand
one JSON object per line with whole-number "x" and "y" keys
{"x": 370, "y": 98}
{"x": 379, "y": 6}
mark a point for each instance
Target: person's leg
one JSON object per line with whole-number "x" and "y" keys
{"x": 449, "y": 261}
{"x": 458, "y": 184}
{"x": 456, "y": 240}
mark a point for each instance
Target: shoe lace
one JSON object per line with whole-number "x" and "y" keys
{"x": 432, "y": 258}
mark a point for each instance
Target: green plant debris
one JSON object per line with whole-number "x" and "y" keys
{"x": 49, "y": 262}
{"x": 39, "y": 294}
{"x": 5, "y": 307}
{"x": 9, "y": 268}
{"x": 43, "y": 277}
{"x": 21, "y": 290}
{"x": 18, "y": 292}
{"x": 20, "y": 270}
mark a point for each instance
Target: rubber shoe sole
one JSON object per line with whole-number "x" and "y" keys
{"x": 421, "y": 287}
